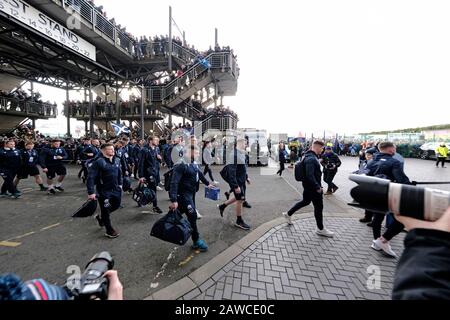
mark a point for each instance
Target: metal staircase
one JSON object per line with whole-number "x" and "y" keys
{"x": 223, "y": 73}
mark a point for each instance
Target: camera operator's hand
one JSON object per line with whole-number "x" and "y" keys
{"x": 92, "y": 197}
{"x": 443, "y": 224}
{"x": 115, "y": 288}
{"x": 173, "y": 206}
{"x": 142, "y": 180}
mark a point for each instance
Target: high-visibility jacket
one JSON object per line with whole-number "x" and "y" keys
{"x": 442, "y": 151}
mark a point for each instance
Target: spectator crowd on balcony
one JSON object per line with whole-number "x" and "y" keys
{"x": 219, "y": 111}
{"x": 20, "y": 101}
{"x": 108, "y": 109}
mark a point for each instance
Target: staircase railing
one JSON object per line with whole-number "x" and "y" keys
{"x": 223, "y": 61}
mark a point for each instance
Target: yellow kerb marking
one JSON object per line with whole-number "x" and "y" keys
{"x": 9, "y": 244}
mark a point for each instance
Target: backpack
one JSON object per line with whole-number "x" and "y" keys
{"x": 167, "y": 179}
{"x": 299, "y": 170}
{"x": 224, "y": 173}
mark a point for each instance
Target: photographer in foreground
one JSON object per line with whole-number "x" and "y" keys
{"x": 13, "y": 288}
{"x": 423, "y": 271}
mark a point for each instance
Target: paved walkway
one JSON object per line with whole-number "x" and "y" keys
{"x": 292, "y": 262}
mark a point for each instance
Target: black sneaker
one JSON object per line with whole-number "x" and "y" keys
{"x": 99, "y": 221}
{"x": 227, "y": 195}
{"x": 112, "y": 235}
{"x": 16, "y": 195}
{"x": 221, "y": 209}
{"x": 42, "y": 188}
{"x": 157, "y": 210}
{"x": 60, "y": 189}
{"x": 246, "y": 205}
{"x": 241, "y": 224}
{"x": 365, "y": 220}
{"x": 51, "y": 191}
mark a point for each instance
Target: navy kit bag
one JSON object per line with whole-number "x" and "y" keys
{"x": 86, "y": 210}
{"x": 143, "y": 195}
{"x": 172, "y": 228}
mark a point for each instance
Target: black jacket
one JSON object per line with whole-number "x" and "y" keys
{"x": 30, "y": 158}
{"x": 47, "y": 157}
{"x": 423, "y": 271}
{"x": 313, "y": 174}
{"x": 90, "y": 149}
{"x": 10, "y": 159}
{"x": 328, "y": 160}
{"x": 149, "y": 164}
{"x": 384, "y": 165}
{"x": 184, "y": 180}
{"x": 106, "y": 175}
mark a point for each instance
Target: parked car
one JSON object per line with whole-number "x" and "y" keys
{"x": 428, "y": 150}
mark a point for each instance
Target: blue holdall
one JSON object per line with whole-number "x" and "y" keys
{"x": 172, "y": 228}
{"x": 212, "y": 194}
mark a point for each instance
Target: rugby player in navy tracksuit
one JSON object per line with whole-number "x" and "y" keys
{"x": 51, "y": 161}
{"x": 89, "y": 152}
{"x": 30, "y": 161}
{"x": 237, "y": 178}
{"x": 183, "y": 186}
{"x": 105, "y": 172}
{"x": 10, "y": 161}
{"x": 149, "y": 169}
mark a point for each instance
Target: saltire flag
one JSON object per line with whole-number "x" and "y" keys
{"x": 120, "y": 128}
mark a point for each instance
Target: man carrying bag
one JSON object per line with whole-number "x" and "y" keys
{"x": 183, "y": 187}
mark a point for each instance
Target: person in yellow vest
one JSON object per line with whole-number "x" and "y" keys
{"x": 441, "y": 155}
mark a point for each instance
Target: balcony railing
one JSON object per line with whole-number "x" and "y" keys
{"x": 27, "y": 108}
{"x": 100, "y": 23}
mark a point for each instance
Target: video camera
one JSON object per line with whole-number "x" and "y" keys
{"x": 93, "y": 284}
{"x": 381, "y": 195}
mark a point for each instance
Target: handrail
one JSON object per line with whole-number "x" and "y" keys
{"x": 217, "y": 60}
{"x": 28, "y": 108}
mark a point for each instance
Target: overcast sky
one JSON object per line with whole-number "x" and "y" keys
{"x": 340, "y": 66}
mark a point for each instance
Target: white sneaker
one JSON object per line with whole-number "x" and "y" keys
{"x": 216, "y": 183}
{"x": 325, "y": 233}
{"x": 159, "y": 188}
{"x": 288, "y": 218}
{"x": 199, "y": 216}
{"x": 374, "y": 246}
{"x": 386, "y": 247}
